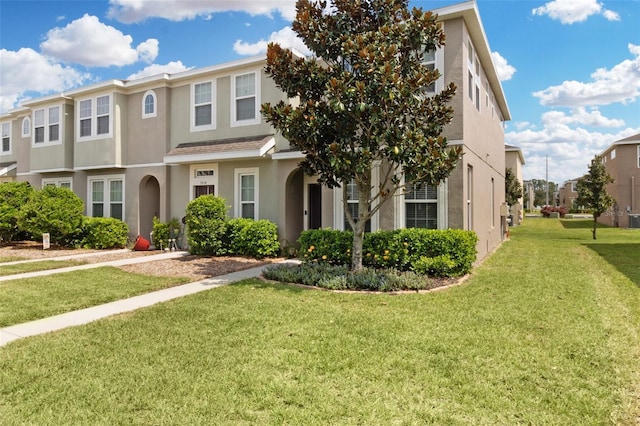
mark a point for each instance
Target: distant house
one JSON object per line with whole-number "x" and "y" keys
{"x": 622, "y": 162}
{"x": 146, "y": 147}
{"x": 514, "y": 160}
{"x": 568, "y": 194}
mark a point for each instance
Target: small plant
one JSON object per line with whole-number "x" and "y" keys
{"x": 254, "y": 238}
{"x": 547, "y": 210}
{"x": 163, "y": 232}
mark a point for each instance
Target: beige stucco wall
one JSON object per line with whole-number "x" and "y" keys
{"x": 626, "y": 188}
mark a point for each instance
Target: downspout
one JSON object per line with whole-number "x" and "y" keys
{"x": 633, "y": 194}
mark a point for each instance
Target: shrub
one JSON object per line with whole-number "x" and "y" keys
{"x": 254, "y": 238}
{"x": 335, "y": 277}
{"x": 162, "y": 232}
{"x": 206, "y": 218}
{"x": 55, "y": 210}
{"x": 439, "y": 266}
{"x": 400, "y": 249}
{"x": 13, "y": 195}
{"x": 104, "y": 233}
{"x": 547, "y": 210}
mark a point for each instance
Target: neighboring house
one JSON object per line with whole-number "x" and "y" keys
{"x": 622, "y": 162}
{"x": 568, "y": 194}
{"x": 530, "y": 194}
{"x": 514, "y": 160}
{"x": 144, "y": 148}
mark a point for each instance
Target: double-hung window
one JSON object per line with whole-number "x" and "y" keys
{"x": 245, "y": 100}
{"x": 46, "y": 125}
{"x": 247, "y": 193}
{"x": 95, "y": 118}
{"x": 353, "y": 199}
{"x": 107, "y": 197}
{"x": 421, "y": 206}
{"x": 54, "y": 124}
{"x": 433, "y": 59}
{"x": 203, "y": 106}
{"x": 6, "y": 137}
{"x": 38, "y": 126}
{"x": 473, "y": 65}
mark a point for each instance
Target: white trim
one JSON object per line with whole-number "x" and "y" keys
{"x": 5, "y": 171}
{"x": 106, "y": 202}
{"x": 100, "y": 167}
{"x": 28, "y": 134}
{"x": 9, "y": 134}
{"x": 155, "y": 104}
{"x": 203, "y": 180}
{"x": 257, "y": 76}
{"x": 192, "y": 106}
{"x": 288, "y": 155}
{"x": 57, "y": 181}
{"x": 94, "y": 118}
{"x": 35, "y": 172}
{"x": 218, "y": 156}
{"x": 238, "y": 173}
{"x": 46, "y": 125}
{"x": 338, "y": 207}
{"x": 443, "y": 217}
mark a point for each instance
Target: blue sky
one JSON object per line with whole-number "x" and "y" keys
{"x": 570, "y": 69}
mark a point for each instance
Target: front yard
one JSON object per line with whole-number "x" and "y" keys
{"x": 544, "y": 332}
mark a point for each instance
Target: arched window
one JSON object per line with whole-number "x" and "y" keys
{"x": 26, "y": 127}
{"x": 149, "y": 104}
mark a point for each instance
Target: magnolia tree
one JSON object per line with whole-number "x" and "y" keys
{"x": 366, "y": 99}
{"x": 512, "y": 187}
{"x": 592, "y": 191}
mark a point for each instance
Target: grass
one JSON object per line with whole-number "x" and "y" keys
{"x": 28, "y": 299}
{"x": 544, "y": 332}
{"x": 42, "y": 265}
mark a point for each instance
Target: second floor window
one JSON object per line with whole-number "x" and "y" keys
{"x": 203, "y": 111}
{"x": 6, "y": 137}
{"x": 46, "y": 125}
{"x": 26, "y": 127}
{"x": 94, "y": 117}
{"x": 149, "y": 104}
{"x": 245, "y": 99}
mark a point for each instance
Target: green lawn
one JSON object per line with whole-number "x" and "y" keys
{"x": 42, "y": 265}
{"x": 28, "y": 299}
{"x": 544, "y": 332}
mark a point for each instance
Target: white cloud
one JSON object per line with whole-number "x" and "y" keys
{"x": 155, "y": 69}
{"x": 572, "y": 11}
{"x": 130, "y": 11}
{"x": 505, "y": 71}
{"x": 619, "y": 84}
{"x": 286, "y": 37}
{"x": 89, "y": 42}
{"x": 581, "y": 116}
{"x": 28, "y": 71}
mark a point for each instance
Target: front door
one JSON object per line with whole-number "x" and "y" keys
{"x": 315, "y": 206}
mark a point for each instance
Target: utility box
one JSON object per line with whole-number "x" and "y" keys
{"x": 46, "y": 241}
{"x": 634, "y": 221}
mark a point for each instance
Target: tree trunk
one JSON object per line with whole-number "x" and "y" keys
{"x": 364, "y": 207}
{"x": 595, "y": 224}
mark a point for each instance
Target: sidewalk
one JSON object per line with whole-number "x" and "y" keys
{"x": 84, "y": 316}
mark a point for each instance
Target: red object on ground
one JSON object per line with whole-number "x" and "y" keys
{"x": 142, "y": 244}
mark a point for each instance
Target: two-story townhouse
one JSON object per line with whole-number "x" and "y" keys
{"x": 144, "y": 148}
{"x": 622, "y": 161}
{"x": 568, "y": 194}
{"x": 514, "y": 160}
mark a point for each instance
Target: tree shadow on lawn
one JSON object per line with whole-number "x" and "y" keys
{"x": 580, "y": 224}
{"x": 624, "y": 257}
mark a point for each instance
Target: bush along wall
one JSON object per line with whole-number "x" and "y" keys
{"x": 104, "y": 233}
{"x": 446, "y": 253}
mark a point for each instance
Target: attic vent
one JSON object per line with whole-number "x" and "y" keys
{"x": 634, "y": 221}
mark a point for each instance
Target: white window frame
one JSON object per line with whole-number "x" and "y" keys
{"x": 400, "y": 207}
{"x": 203, "y": 127}
{"x": 574, "y": 186}
{"x": 239, "y": 173}
{"x": 208, "y": 180}
{"x": 338, "y": 207}
{"x": 153, "y": 113}
{"x": 106, "y": 208}
{"x": 234, "y": 98}
{"x": 438, "y": 64}
{"x": 475, "y": 74}
{"x": 613, "y": 154}
{"x": 26, "y": 125}
{"x": 638, "y": 156}
{"x": 58, "y": 182}
{"x": 93, "y": 135}
{"x": 5, "y": 133}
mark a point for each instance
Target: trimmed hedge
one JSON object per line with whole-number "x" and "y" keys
{"x": 206, "y": 218}
{"x": 448, "y": 252}
{"x": 104, "y": 233}
{"x": 254, "y": 238}
{"x": 13, "y": 195}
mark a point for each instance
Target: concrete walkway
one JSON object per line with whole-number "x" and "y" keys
{"x": 84, "y": 316}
